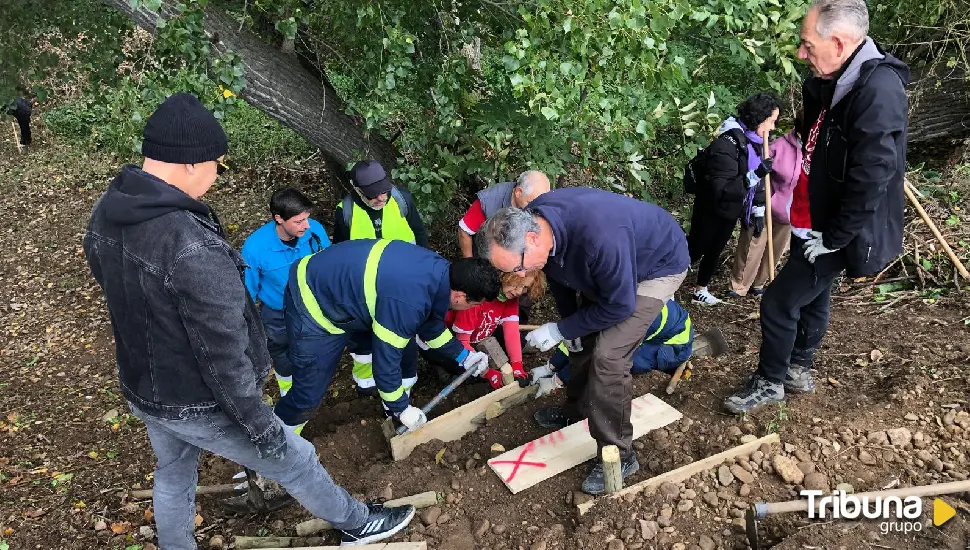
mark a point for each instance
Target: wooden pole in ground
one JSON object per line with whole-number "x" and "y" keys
{"x": 16, "y": 138}
{"x": 420, "y": 500}
{"x": 769, "y": 237}
{"x": 612, "y": 470}
{"x": 507, "y": 377}
{"x": 936, "y": 232}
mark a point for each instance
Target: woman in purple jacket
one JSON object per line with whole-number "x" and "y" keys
{"x": 751, "y": 267}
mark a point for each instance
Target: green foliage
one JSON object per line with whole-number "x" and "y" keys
{"x": 619, "y": 93}
{"x": 255, "y": 139}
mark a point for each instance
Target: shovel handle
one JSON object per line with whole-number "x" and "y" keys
{"x": 441, "y": 395}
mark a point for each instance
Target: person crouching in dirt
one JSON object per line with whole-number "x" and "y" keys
{"x": 626, "y": 258}
{"x": 191, "y": 352}
{"x": 847, "y": 206}
{"x": 471, "y": 326}
{"x": 667, "y": 344}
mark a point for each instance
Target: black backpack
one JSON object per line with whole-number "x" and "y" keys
{"x": 696, "y": 172}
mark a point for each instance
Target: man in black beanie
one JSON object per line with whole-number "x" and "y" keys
{"x": 191, "y": 351}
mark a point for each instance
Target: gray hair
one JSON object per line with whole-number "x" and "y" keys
{"x": 506, "y": 229}
{"x": 527, "y": 179}
{"x": 849, "y": 16}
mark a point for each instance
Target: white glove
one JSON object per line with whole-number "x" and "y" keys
{"x": 475, "y": 361}
{"x": 753, "y": 179}
{"x": 758, "y": 211}
{"x": 541, "y": 372}
{"x": 548, "y": 385}
{"x": 544, "y": 337}
{"x": 413, "y": 418}
{"x": 575, "y": 345}
{"x": 814, "y": 247}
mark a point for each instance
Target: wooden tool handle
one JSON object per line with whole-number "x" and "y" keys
{"x": 524, "y": 328}
{"x": 936, "y": 232}
{"x": 771, "y": 249}
{"x": 678, "y": 374}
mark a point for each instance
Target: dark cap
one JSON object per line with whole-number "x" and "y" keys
{"x": 369, "y": 176}
{"x": 183, "y": 131}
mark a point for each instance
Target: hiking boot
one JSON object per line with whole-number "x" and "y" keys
{"x": 381, "y": 523}
{"x": 799, "y": 379}
{"x": 759, "y": 391}
{"x": 757, "y": 291}
{"x": 705, "y": 298}
{"x": 595, "y": 484}
{"x": 552, "y": 418}
{"x": 366, "y": 392}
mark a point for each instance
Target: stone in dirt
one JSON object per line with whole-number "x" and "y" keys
{"x": 648, "y": 529}
{"x": 679, "y": 546}
{"x": 430, "y": 516}
{"x": 745, "y": 490}
{"x": 498, "y": 529}
{"x": 899, "y": 437}
{"x": 911, "y": 417}
{"x": 581, "y": 498}
{"x": 628, "y": 534}
{"x": 816, "y": 482}
{"x": 216, "y": 543}
{"x": 789, "y": 448}
{"x": 806, "y": 467}
{"x": 498, "y": 448}
{"x": 711, "y": 499}
{"x": 706, "y": 543}
{"x": 866, "y": 458}
{"x": 541, "y": 545}
{"x": 146, "y": 532}
{"x": 748, "y": 438}
{"x": 724, "y": 475}
{"x": 787, "y": 469}
{"x": 100, "y": 525}
{"x": 878, "y": 438}
{"x": 616, "y": 544}
{"x": 669, "y": 489}
{"x": 482, "y": 528}
{"x": 685, "y": 505}
{"x": 741, "y": 474}
{"x": 802, "y": 455}
{"x": 845, "y": 487}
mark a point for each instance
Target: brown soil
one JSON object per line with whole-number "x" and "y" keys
{"x": 63, "y": 466}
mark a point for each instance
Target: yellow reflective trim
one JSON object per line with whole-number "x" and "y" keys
{"x": 391, "y": 396}
{"x": 310, "y": 301}
{"x": 563, "y": 348}
{"x": 370, "y": 277}
{"x": 440, "y": 340}
{"x": 663, "y": 321}
{"x": 387, "y": 336}
{"x": 393, "y": 226}
{"x": 682, "y": 337}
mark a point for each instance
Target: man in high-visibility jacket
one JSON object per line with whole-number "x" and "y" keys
{"x": 390, "y": 291}
{"x": 376, "y": 209}
{"x": 667, "y": 344}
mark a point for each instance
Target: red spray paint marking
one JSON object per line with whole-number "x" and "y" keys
{"x": 519, "y": 462}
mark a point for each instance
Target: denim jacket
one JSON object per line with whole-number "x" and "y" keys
{"x": 187, "y": 335}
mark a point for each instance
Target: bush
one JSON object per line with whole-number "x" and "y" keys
{"x": 256, "y": 139}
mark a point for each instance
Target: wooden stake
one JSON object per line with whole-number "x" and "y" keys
{"x": 420, "y": 500}
{"x": 771, "y": 249}
{"x": 685, "y": 472}
{"x": 936, "y": 232}
{"x": 507, "y": 377}
{"x": 16, "y": 138}
{"x": 612, "y": 470}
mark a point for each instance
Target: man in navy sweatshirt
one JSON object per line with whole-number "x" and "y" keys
{"x": 612, "y": 263}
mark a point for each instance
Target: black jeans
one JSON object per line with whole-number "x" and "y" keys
{"x": 795, "y": 311}
{"x": 24, "y": 121}
{"x": 709, "y": 234}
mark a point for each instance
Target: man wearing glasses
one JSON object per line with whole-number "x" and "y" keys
{"x": 625, "y": 258}
{"x": 191, "y": 351}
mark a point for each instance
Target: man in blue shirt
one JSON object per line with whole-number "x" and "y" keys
{"x": 269, "y": 252}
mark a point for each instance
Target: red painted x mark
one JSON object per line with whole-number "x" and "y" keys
{"x": 519, "y": 462}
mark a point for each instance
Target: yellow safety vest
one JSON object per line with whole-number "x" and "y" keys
{"x": 394, "y": 226}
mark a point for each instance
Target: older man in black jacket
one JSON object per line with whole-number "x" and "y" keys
{"x": 847, "y": 207}
{"x": 191, "y": 351}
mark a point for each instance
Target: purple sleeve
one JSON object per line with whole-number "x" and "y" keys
{"x": 616, "y": 296}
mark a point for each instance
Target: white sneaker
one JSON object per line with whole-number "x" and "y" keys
{"x": 704, "y": 297}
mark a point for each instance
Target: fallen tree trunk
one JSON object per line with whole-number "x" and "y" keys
{"x": 940, "y": 108}
{"x": 279, "y": 86}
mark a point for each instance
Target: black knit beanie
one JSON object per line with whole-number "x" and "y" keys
{"x": 183, "y": 131}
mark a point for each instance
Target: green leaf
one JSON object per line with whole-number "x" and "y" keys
{"x": 136, "y": 116}
{"x": 642, "y": 127}
{"x": 953, "y": 220}
{"x": 568, "y": 24}
{"x": 565, "y": 67}
{"x": 549, "y": 113}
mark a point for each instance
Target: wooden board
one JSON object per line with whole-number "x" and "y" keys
{"x": 559, "y": 451}
{"x": 685, "y": 472}
{"x": 379, "y": 546}
{"x": 457, "y": 422}
{"x": 426, "y": 499}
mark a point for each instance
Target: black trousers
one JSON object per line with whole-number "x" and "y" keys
{"x": 795, "y": 311}
{"x": 709, "y": 234}
{"x": 23, "y": 120}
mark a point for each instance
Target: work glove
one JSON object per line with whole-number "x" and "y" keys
{"x": 412, "y": 418}
{"x": 548, "y": 385}
{"x": 757, "y": 220}
{"x": 274, "y": 448}
{"x": 494, "y": 378}
{"x": 545, "y": 337}
{"x": 517, "y": 371}
{"x": 575, "y": 345}
{"x": 764, "y": 168}
{"x": 475, "y": 361}
{"x": 814, "y": 247}
{"x": 541, "y": 372}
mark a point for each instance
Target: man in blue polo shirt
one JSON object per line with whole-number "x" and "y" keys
{"x": 269, "y": 252}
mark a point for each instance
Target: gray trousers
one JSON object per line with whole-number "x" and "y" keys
{"x": 600, "y": 386}
{"x": 177, "y": 445}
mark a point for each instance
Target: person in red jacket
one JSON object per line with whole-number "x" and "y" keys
{"x": 473, "y": 325}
